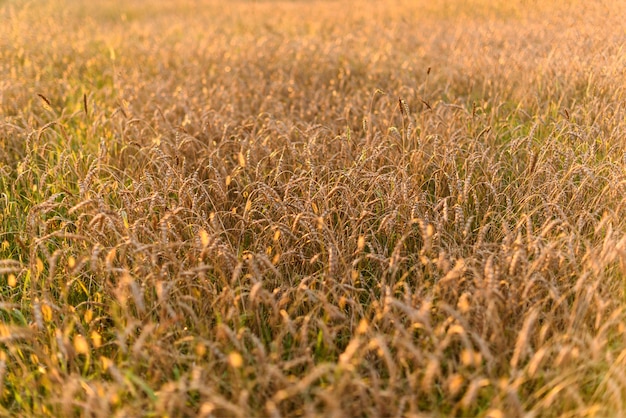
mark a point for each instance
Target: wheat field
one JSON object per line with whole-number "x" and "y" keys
{"x": 313, "y": 208}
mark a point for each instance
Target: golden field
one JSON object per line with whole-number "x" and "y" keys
{"x": 313, "y": 208}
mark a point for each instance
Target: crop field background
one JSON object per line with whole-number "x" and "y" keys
{"x": 313, "y": 208}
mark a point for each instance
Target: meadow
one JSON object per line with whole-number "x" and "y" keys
{"x": 313, "y": 208}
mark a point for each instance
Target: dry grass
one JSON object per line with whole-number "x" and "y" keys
{"x": 312, "y": 208}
